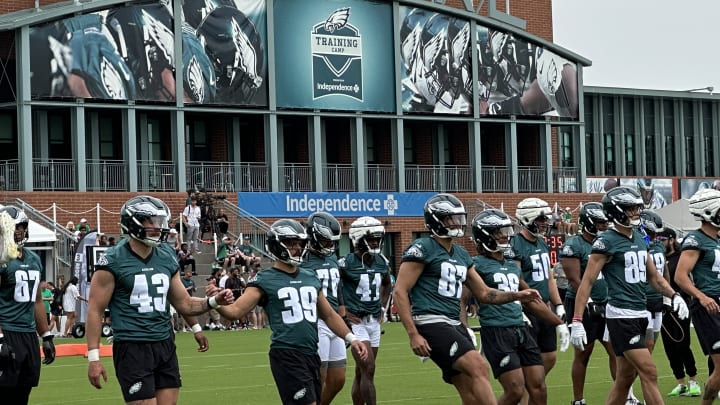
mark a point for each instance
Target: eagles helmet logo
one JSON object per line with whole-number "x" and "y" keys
{"x": 245, "y": 55}
{"x": 195, "y": 80}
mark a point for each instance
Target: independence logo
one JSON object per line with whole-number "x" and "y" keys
{"x": 337, "y": 57}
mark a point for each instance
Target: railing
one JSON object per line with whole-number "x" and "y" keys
{"x": 531, "y": 179}
{"x": 339, "y": 177}
{"x": 65, "y": 244}
{"x": 296, "y": 177}
{"x": 495, "y": 179}
{"x": 54, "y": 175}
{"x": 253, "y": 177}
{"x": 156, "y": 175}
{"x": 381, "y": 178}
{"x": 106, "y": 175}
{"x": 565, "y": 180}
{"x": 243, "y": 222}
{"x": 438, "y": 178}
{"x": 9, "y": 175}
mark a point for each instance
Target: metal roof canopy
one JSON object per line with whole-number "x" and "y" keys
{"x": 50, "y": 12}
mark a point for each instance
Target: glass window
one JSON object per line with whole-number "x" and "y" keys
{"x": 608, "y": 134}
{"x": 689, "y": 137}
{"x": 589, "y": 136}
{"x": 629, "y": 134}
{"x": 669, "y": 128}
{"x": 650, "y": 137}
{"x": 566, "y": 138}
{"x": 409, "y": 150}
{"x": 710, "y": 169}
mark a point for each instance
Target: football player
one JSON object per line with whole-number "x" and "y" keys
{"x": 532, "y": 255}
{"x": 700, "y": 255}
{"x": 365, "y": 275}
{"x": 294, "y": 359}
{"x": 507, "y": 341}
{"x": 432, "y": 275}
{"x": 652, "y": 224}
{"x": 22, "y": 312}
{"x": 622, "y": 255}
{"x": 323, "y": 232}
{"x": 138, "y": 279}
{"x": 574, "y": 257}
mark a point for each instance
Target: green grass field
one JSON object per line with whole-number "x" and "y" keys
{"x": 235, "y": 371}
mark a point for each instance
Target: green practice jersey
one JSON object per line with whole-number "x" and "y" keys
{"x": 139, "y": 307}
{"x": 579, "y": 248}
{"x": 504, "y": 276}
{"x": 534, "y": 258}
{"x": 706, "y": 273}
{"x": 290, "y": 301}
{"x": 361, "y": 285}
{"x": 625, "y": 269}
{"x": 327, "y": 271}
{"x": 19, "y": 283}
{"x": 657, "y": 251}
{"x": 439, "y": 287}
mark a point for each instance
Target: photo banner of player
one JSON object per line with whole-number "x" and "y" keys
{"x": 127, "y": 53}
{"x": 334, "y": 55}
{"x": 104, "y": 55}
{"x": 656, "y": 192}
{"x": 516, "y": 77}
{"x": 436, "y": 62}
{"x": 688, "y": 187}
{"x": 224, "y": 52}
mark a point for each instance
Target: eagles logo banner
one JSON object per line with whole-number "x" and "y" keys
{"x": 334, "y": 56}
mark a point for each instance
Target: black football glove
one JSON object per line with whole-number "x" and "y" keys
{"x": 48, "y": 349}
{"x": 7, "y": 355}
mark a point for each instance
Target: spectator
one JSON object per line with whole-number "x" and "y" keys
{"x": 675, "y": 331}
{"x": 191, "y": 220}
{"x": 70, "y": 227}
{"x": 560, "y": 280}
{"x": 111, "y": 241}
{"x": 55, "y": 309}
{"x": 248, "y": 253}
{"x": 213, "y": 315}
{"x": 102, "y": 240}
{"x": 47, "y": 297}
{"x": 83, "y": 226}
{"x": 222, "y": 222}
{"x": 185, "y": 258}
{"x": 226, "y": 255}
{"x": 189, "y": 283}
{"x": 172, "y": 239}
{"x": 70, "y": 297}
{"x": 568, "y": 227}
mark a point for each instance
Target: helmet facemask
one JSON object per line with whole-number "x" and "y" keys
{"x": 372, "y": 243}
{"x": 153, "y": 230}
{"x": 453, "y": 224}
{"x": 501, "y": 239}
{"x": 293, "y": 245}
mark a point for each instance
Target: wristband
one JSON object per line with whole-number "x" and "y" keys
{"x": 196, "y": 328}
{"x": 577, "y": 319}
{"x": 212, "y": 303}
{"x": 93, "y": 355}
{"x": 350, "y": 337}
{"x": 46, "y": 334}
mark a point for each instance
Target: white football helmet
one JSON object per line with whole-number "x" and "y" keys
{"x": 705, "y": 206}
{"x": 365, "y": 228}
{"x": 529, "y": 211}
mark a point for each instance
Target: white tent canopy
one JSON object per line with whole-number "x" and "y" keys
{"x": 40, "y": 234}
{"x": 677, "y": 216}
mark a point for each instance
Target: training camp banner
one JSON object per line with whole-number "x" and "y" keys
{"x": 293, "y": 205}
{"x": 334, "y": 55}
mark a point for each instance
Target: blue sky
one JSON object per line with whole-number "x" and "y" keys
{"x": 649, "y": 44}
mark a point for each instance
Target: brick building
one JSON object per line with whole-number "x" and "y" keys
{"x": 445, "y": 99}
